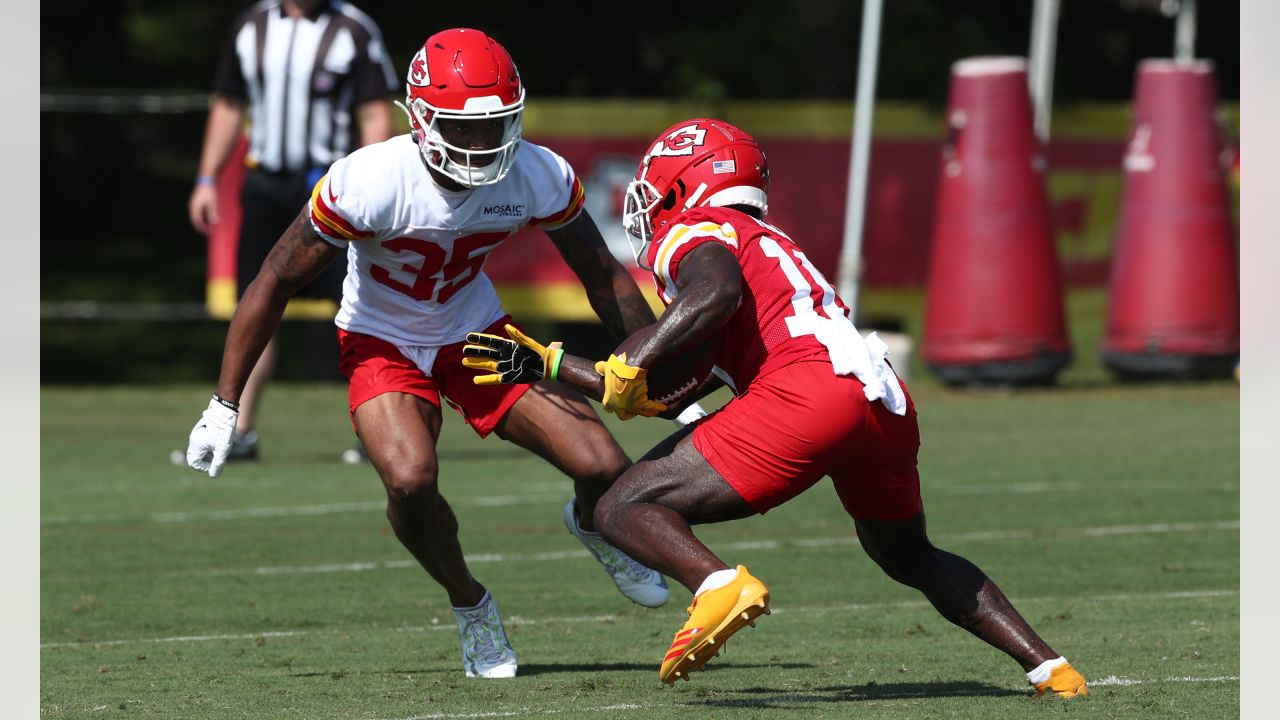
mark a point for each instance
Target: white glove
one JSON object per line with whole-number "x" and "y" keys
{"x": 210, "y": 440}
{"x": 689, "y": 414}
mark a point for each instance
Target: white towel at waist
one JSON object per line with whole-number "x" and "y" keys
{"x": 864, "y": 359}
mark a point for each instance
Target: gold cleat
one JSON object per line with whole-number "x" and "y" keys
{"x": 714, "y": 616}
{"x": 1064, "y": 682}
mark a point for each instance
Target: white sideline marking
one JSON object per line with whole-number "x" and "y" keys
{"x": 1012, "y": 488}
{"x": 336, "y": 508}
{"x": 1112, "y": 681}
{"x": 1109, "y": 681}
{"x": 907, "y": 604}
{"x": 1157, "y": 529}
{"x": 265, "y": 512}
{"x": 1039, "y": 488}
{"x": 297, "y": 510}
{"x": 518, "y": 620}
{"x": 385, "y": 564}
{"x": 184, "y": 638}
{"x": 546, "y": 492}
{"x": 522, "y": 712}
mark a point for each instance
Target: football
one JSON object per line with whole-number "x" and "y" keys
{"x": 676, "y": 379}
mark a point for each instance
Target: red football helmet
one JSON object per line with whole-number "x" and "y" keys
{"x": 695, "y": 163}
{"x": 463, "y": 74}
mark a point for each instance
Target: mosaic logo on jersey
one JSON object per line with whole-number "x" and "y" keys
{"x": 504, "y": 210}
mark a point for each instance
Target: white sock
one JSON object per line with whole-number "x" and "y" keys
{"x": 1041, "y": 673}
{"x": 717, "y": 579}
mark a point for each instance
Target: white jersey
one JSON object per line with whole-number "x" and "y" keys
{"x": 415, "y": 250}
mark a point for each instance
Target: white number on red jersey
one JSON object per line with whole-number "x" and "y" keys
{"x": 806, "y": 320}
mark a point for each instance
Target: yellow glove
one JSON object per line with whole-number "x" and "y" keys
{"x": 516, "y": 361}
{"x": 626, "y": 394}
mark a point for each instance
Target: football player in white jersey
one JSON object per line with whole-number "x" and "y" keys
{"x": 415, "y": 217}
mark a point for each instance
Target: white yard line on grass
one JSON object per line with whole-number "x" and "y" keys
{"x": 769, "y": 701}
{"x": 522, "y": 712}
{"x": 542, "y": 493}
{"x": 1095, "y": 532}
{"x": 1117, "y": 597}
{"x": 515, "y": 620}
{"x": 255, "y": 513}
{"x": 1040, "y": 488}
{"x": 1112, "y": 680}
{"x": 183, "y": 639}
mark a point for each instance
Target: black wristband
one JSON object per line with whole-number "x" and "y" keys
{"x": 234, "y": 407}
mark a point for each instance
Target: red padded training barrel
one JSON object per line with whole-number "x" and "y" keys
{"x": 1174, "y": 290}
{"x": 994, "y": 311}
{"x": 221, "y": 291}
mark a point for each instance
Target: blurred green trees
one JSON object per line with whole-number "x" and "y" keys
{"x": 753, "y": 48}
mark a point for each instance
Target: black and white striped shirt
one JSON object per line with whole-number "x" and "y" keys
{"x": 303, "y": 78}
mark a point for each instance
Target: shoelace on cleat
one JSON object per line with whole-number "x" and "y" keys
{"x": 616, "y": 561}
{"x": 482, "y": 638}
{"x": 613, "y": 559}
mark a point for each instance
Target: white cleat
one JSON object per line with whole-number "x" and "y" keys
{"x": 642, "y": 585}
{"x": 486, "y": 651}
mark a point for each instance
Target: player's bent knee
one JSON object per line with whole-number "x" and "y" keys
{"x": 598, "y": 466}
{"x": 608, "y": 508}
{"x": 894, "y": 570}
{"x": 410, "y": 487}
{"x": 630, "y": 489}
{"x": 902, "y": 562}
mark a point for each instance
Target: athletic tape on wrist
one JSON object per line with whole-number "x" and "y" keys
{"x": 556, "y": 356}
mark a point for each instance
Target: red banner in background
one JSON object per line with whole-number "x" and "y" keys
{"x": 224, "y": 236}
{"x": 807, "y": 200}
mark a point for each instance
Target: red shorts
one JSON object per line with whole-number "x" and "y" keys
{"x": 375, "y": 366}
{"x": 801, "y": 422}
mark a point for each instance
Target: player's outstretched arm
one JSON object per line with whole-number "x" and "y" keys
{"x": 580, "y": 374}
{"x": 518, "y": 358}
{"x": 612, "y": 292}
{"x": 295, "y": 260}
{"x": 588, "y": 377}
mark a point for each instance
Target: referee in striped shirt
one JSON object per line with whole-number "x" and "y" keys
{"x": 308, "y": 73}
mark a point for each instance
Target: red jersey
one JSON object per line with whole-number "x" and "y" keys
{"x": 788, "y": 308}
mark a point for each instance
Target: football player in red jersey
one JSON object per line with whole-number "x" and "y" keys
{"x": 414, "y": 217}
{"x": 813, "y": 399}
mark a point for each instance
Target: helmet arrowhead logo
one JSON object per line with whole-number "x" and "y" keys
{"x": 681, "y": 141}
{"x": 418, "y": 69}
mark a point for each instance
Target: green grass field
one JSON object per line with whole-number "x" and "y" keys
{"x": 1109, "y": 514}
